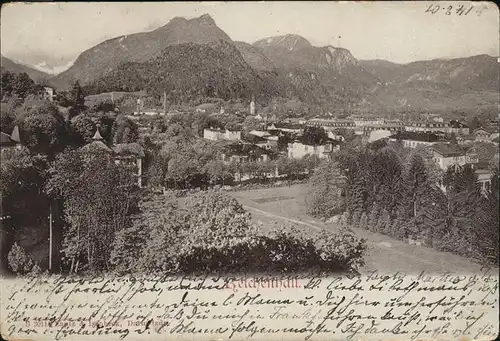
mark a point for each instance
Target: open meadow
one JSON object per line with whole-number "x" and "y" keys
{"x": 272, "y": 207}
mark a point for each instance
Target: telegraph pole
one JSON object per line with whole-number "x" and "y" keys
{"x": 165, "y": 102}
{"x": 50, "y": 236}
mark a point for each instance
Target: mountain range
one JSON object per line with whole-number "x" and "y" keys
{"x": 194, "y": 59}
{"x": 36, "y": 75}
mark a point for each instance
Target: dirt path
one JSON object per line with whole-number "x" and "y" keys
{"x": 384, "y": 253}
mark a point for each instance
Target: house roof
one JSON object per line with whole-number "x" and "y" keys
{"x": 15, "y": 136}
{"x": 489, "y": 130}
{"x": 482, "y": 171}
{"x": 447, "y": 149}
{"x": 260, "y": 133}
{"x": 6, "y": 140}
{"x": 283, "y": 125}
{"x": 244, "y": 149}
{"x": 301, "y": 140}
{"x": 416, "y": 136}
{"x": 97, "y": 136}
{"x": 253, "y": 138}
{"x": 457, "y": 124}
{"x": 274, "y": 132}
{"x": 124, "y": 149}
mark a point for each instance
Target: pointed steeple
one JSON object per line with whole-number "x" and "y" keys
{"x": 15, "y": 136}
{"x": 97, "y": 136}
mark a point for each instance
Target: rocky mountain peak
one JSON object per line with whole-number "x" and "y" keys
{"x": 339, "y": 57}
{"x": 291, "y": 42}
{"x": 205, "y": 19}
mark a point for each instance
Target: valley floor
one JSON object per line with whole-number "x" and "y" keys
{"x": 274, "y": 206}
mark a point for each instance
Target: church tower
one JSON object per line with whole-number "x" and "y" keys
{"x": 252, "y": 107}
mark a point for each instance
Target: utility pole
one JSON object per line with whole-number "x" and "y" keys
{"x": 50, "y": 236}
{"x": 165, "y": 102}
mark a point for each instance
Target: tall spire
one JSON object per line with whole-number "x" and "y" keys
{"x": 97, "y": 135}
{"x": 252, "y": 106}
{"x": 15, "y": 136}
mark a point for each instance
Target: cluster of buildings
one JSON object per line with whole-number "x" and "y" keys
{"x": 450, "y": 143}
{"x": 267, "y": 140}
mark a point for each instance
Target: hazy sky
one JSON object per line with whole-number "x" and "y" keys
{"x": 399, "y": 32}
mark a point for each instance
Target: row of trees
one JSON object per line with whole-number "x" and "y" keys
{"x": 400, "y": 192}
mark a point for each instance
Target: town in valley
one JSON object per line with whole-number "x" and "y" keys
{"x": 183, "y": 150}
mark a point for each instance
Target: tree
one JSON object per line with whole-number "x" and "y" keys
{"x": 373, "y": 217}
{"x": 77, "y": 99}
{"x": 22, "y": 179}
{"x": 214, "y": 218}
{"x": 218, "y": 172}
{"x": 23, "y": 85}
{"x": 7, "y": 117}
{"x": 384, "y": 222}
{"x": 99, "y": 198}
{"x": 63, "y": 98}
{"x": 363, "y": 221}
{"x": 314, "y": 135}
{"x": 185, "y": 171}
{"x": 475, "y": 123}
{"x": 44, "y": 129}
{"x": 200, "y": 123}
{"x": 105, "y": 122}
{"x": 124, "y": 130}
{"x": 310, "y": 162}
{"x": 251, "y": 123}
{"x": 151, "y": 243}
{"x": 460, "y": 178}
{"x": 7, "y": 84}
{"x": 157, "y": 171}
{"x": 283, "y": 140}
{"x": 453, "y": 138}
{"x": 325, "y": 195}
{"x": 103, "y": 106}
{"x": 21, "y": 263}
{"x": 83, "y": 129}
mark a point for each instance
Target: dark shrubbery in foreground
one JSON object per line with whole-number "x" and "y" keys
{"x": 212, "y": 233}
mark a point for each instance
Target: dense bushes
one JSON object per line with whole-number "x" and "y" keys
{"x": 212, "y": 232}
{"x": 22, "y": 263}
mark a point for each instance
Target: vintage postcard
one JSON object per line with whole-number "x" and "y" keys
{"x": 249, "y": 171}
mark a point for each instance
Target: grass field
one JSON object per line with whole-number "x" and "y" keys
{"x": 274, "y": 206}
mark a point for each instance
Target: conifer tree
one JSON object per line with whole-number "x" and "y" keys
{"x": 77, "y": 100}
{"x": 374, "y": 217}
{"x": 363, "y": 221}
{"x": 384, "y": 222}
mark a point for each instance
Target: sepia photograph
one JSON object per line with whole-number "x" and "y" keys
{"x": 258, "y": 154}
